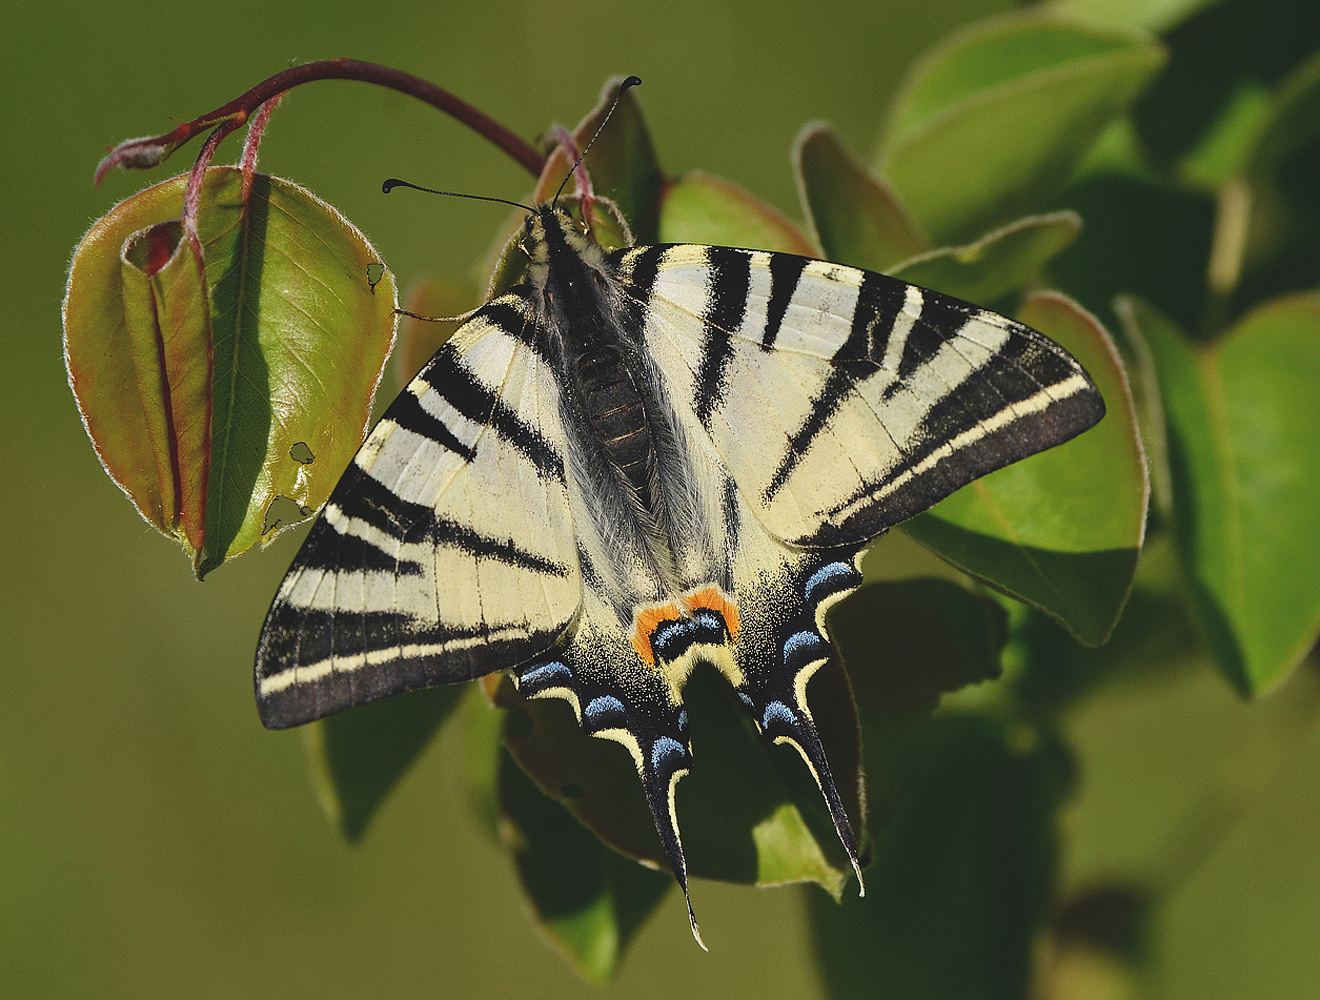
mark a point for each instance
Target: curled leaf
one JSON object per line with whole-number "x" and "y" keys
{"x": 215, "y": 387}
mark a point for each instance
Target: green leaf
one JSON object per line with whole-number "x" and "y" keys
{"x": 286, "y": 295}
{"x": 700, "y": 208}
{"x": 358, "y": 756}
{"x": 1153, "y": 15}
{"x": 854, "y": 216}
{"x": 589, "y": 900}
{"x": 749, "y": 811}
{"x": 1242, "y": 418}
{"x": 991, "y": 124}
{"x": 1000, "y": 262}
{"x": 1061, "y": 530}
{"x": 962, "y": 878}
{"x": 906, "y": 644}
{"x": 1294, "y": 122}
{"x": 1050, "y": 672}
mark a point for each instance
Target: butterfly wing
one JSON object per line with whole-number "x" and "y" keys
{"x": 842, "y": 401}
{"x": 447, "y": 550}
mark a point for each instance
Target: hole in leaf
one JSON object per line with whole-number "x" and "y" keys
{"x": 282, "y": 512}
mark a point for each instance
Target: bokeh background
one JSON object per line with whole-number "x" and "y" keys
{"x": 155, "y": 841}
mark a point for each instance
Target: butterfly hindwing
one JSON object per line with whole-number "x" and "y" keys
{"x": 417, "y": 573}
{"x": 873, "y": 399}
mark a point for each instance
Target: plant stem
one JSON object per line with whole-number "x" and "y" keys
{"x": 148, "y": 152}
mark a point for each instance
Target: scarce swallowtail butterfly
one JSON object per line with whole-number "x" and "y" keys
{"x": 641, "y": 459}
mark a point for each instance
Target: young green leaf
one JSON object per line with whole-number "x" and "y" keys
{"x": 854, "y": 216}
{"x": 992, "y": 123}
{"x": 1061, "y": 530}
{"x": 1242, "y": 419}
{"x": 289, "y": 331}
{"x": 998, "y": 263}
{"x": 700, "y": 208}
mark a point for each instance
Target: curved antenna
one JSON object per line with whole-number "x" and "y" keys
{"x": 394, "y": 182}
{"x": 632, "y": 81}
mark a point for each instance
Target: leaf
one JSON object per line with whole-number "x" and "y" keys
{"x": 700, "y": 208}
{"x": 1153, "y": 15}
{"x": 1140, "y": 236}
{"x": 358, "y": 756}
{"x": 589, "y": 900}
{"x": 1294, "y": 121}
{"x": 855, "y": 218}
{"x": 749, "y": 811}
{"x": 991, "y": 124}
{"x": 906, "y": 644}
{"x": 1061, "y": 530}
{"x": 962, "y": 879}
{"x": 1000, "y": 262}
{"x": 1242, "y": 418}
{"x": 292, "y": 334}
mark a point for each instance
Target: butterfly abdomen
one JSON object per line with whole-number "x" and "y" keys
{"x": 617, "y": 415}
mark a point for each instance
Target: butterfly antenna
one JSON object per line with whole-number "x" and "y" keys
{"x": 632, "y": 81}
{"x": 394, "y": 182}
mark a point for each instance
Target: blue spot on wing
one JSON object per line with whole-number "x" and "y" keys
{"x": 829, "y": 579}
{"x": 603, "y": 709}
{"x": 663, "y": 750}
{"x": 553, "y": 674}
{"x": 777, "y": 711}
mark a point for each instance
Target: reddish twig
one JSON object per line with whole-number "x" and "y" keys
{"x": 148, "y": 152}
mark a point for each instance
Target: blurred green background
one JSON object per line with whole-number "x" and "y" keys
{"x": 156, "y": 841}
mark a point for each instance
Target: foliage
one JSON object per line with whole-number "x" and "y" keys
{"x": 1075, "y": 174}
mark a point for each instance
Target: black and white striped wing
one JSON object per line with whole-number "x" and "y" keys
{"x": 447, "y": 549}
{"x": 844, "y": 401}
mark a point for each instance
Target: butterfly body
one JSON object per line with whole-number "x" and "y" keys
{"x": 642, "y": 459}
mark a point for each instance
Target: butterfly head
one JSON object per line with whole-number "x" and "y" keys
{"x": 566, "y": 266}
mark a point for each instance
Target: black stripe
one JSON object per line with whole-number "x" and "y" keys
{"x": 515, "y": 323}
{"x": 444, "y": 531}
{"x": 732, "y": 522}
{"x": 941, "y": 319}
{"x": 471, "y": 397}
{"x": 785, "y": 272}
{"x": 294, "y": 635}
{"x": 328, "y": 549}
{"x": 366, "y": 498}
{"x": 729, "y": 282}
{"x": 878, "y": 299}
{"x": 407, "y": 411}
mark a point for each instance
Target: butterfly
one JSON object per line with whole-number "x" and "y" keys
{"x": 640, "y": 459}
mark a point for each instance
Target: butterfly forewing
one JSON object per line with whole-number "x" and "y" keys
{"x": 843, "y": 401}
{"x": 447, "y": 550}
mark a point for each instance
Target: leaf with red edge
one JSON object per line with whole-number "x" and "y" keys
{"x": 222, "y": 398}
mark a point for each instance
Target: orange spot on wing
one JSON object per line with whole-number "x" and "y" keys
{"x": 647, "y": 619}
{"x": 714, "y": 599}
{"x": 645, "y": 622}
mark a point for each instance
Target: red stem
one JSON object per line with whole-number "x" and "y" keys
{"x": 141, "y": 153}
